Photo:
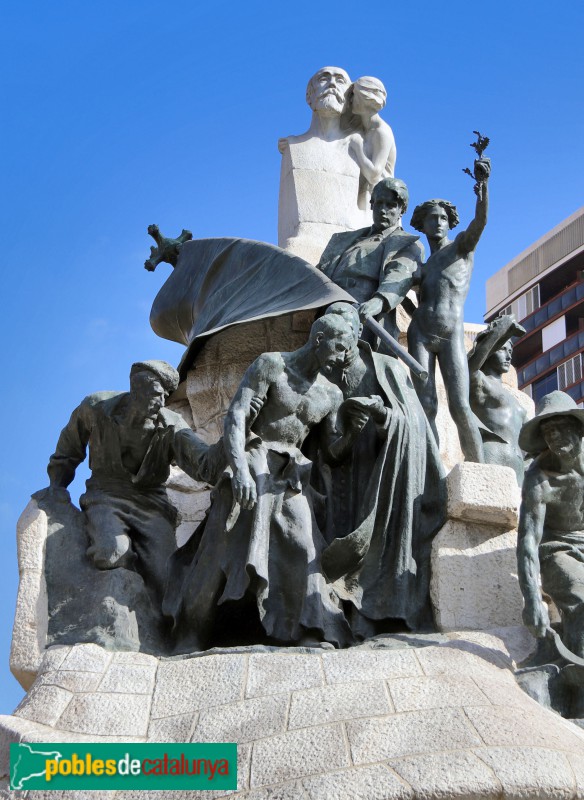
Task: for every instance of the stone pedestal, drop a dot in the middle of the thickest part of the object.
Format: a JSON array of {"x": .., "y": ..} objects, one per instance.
[
  {"x": 29, "y": 633},
  {"x": 474, "y": 582},
  {"x": 64, "y": 599},
  {"x": 319, "y": 186},
  {"x": 407, "y": 717}
]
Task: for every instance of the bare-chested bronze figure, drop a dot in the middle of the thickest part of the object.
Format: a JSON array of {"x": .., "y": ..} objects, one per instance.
[
  {"x": 437, "y": 328},
  {"x": 499, "y": 412},
  {"x": 551, "y": 524},
  {"x": 260, "y": 547}
]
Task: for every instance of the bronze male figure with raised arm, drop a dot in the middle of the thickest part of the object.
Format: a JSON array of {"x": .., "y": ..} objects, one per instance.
[{"x": 436, "y": 332}]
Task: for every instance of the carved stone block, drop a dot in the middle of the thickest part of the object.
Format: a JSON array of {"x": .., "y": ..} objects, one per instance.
[
  {"x": 483, "y": 493},
  {"x": 474, "y": 582}
]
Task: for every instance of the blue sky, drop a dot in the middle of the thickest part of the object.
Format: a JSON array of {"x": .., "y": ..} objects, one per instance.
[{"x": 116, "y": 115}]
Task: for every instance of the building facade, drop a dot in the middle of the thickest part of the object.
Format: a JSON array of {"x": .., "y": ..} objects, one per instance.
[{"x": 544, "y": 287}]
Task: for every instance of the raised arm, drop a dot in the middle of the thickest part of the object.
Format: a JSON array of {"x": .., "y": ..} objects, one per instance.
[
  {"x": 468, "y": 239},
  {"x": 255, "y": 384},
  {"x": 530, "y": 532},
  {"x": 329, "y": 253}
]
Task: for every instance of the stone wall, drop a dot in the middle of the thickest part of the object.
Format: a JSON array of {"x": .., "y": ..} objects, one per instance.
[{"x": 406, "y": 717}]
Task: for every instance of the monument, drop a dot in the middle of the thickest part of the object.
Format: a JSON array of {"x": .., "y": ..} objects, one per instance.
[{"x": 344, "y": 610}]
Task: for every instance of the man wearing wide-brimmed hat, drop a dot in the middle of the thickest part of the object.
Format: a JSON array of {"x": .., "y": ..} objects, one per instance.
[{"x": 551, "y": 524}]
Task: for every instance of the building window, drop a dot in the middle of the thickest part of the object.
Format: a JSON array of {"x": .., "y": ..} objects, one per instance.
[
  {"x": 553, "y": 334},
  {"x": 528, "y": 390},
  {"x": 531, "y": 301},
  {"x": 525, "y": 304},
  {"x": 544, "y": 386},
  {"x": 570, "y": 372}
]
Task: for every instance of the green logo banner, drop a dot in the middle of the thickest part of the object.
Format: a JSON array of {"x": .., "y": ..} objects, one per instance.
[{"x": 122, "y": 766}]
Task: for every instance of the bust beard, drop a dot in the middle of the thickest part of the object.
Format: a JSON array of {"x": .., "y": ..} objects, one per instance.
[{"x": 328, "y": 106}]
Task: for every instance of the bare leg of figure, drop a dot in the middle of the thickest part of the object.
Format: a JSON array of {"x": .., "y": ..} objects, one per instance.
[
  {"x": 454, "y": 368},
  {"x": 426, "y": 391}
]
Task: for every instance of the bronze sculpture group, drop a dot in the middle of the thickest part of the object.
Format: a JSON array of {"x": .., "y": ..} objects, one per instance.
[{"x": 327, "y": 483}]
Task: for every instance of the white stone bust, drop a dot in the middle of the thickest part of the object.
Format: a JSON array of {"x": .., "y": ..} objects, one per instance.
[
  {"x": 325, "y": 94},
  {"x": 372, "y": 140},
  {"x": 319, "y": 181},
  {"x": 328, "y": 171}
]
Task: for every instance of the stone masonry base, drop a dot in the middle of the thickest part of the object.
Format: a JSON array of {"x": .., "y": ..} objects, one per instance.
[{"x": 406, "y": 716}]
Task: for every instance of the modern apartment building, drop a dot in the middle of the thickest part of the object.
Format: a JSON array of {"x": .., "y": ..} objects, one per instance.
[{"x": 544, "y": 287}]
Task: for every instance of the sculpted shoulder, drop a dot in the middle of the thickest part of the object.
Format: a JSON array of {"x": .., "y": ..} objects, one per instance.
[
  {"x": 407, "y": 248},
  {"x": 334, "y": 391},
  {"x": 99, "y": 397},
  {"x": 449, "y": 253},
  {"x": 97, "y": 406},
  {"x": 339, "y": 242},
  {"x": 400, "y": 240},
  {"x": 101, "y": 402},
  {"x": 459, "y": 244},
  {"x": 269, "y": 365},
  {"x": 286, "y": 141},
  {"x": 418, "y": 249},
  {"x": 536, "y": 485}
]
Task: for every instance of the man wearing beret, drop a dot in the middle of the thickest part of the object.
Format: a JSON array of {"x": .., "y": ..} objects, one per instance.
[
  {"x": 551, "y": 523},
  {"x": 132, "y": 441}
]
